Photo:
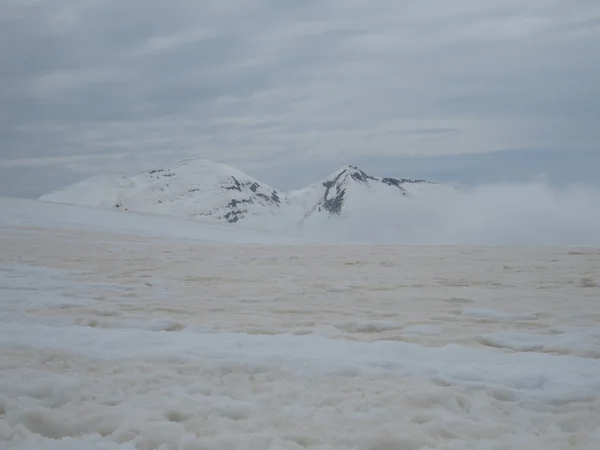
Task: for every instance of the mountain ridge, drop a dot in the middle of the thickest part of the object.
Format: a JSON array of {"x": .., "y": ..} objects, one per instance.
[
  {"x": 350, "y": 173},
  {"x": 195, "y": 188}
]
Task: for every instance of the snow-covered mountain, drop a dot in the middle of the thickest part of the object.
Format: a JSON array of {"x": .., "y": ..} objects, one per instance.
[
  {"x": 192, "y": 188},
  {"x": 349, "y": 189},
  {"x": 199, "y": 188}
]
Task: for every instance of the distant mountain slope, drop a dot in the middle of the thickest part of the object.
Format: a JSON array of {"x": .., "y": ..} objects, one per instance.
[
  {"x": 189, "y": 188},
  {"x": 201, "y": 188},
  {"x": 347, "y": 188}
]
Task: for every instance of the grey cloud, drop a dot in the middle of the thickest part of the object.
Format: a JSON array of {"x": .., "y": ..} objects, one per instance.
[
  {"x": 252, "y": 83},
  {"x": 427, "y": 131}
]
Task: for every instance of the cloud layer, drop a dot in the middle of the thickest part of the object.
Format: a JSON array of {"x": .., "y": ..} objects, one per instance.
[
  {"x": 504, "y": 214},
  {"x": 106, "y": 85}
]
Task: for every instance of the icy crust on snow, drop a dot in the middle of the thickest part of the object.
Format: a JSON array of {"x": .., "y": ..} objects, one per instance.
[
  {"x": 129, "y": 340},
  {"x": 581, "y": 342},
  {"x": 516, "y": 377},
  {"x": 65, "y": 384}
]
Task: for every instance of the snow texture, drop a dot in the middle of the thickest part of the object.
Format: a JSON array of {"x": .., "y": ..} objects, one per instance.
[{"x": 126, "y": 331}]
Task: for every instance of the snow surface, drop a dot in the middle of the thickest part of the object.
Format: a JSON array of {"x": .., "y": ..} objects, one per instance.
[
  {"x": 124, "y": 331},
  {"x": 35, "y": 214}
]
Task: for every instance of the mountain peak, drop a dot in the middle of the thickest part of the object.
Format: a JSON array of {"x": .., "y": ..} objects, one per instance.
[
  {"x": 347, "y": 173},
  {"x": 197, "y": 188},
  {"x": 337, "y": 184}
]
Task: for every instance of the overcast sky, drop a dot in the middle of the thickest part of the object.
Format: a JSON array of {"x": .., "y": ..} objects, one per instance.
[{"x": 462, "y": 90}]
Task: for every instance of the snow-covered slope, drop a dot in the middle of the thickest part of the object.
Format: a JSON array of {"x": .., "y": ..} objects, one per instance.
[
  {"x": 200, "y": 188},
  {"x": 34, "y": 214},
  {"x": 350, "y": 190},
  {"x": 192, "y": 188}
]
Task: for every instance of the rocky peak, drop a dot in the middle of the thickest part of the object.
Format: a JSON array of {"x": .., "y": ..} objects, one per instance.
[
  {"x": 345, "y": 174},
  {"x": 336, "y": 186}
]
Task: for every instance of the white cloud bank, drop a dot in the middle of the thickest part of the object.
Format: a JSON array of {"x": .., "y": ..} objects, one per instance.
[{"x": 496, "y": 214}]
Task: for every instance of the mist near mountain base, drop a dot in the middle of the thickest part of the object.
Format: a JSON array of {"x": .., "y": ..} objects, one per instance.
[
  {"x": 352, "y": 206},
  {"x": 497, "y": 214}
]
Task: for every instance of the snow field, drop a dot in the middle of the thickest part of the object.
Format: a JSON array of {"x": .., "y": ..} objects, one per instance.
[{"x": 123, "y": 340}]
